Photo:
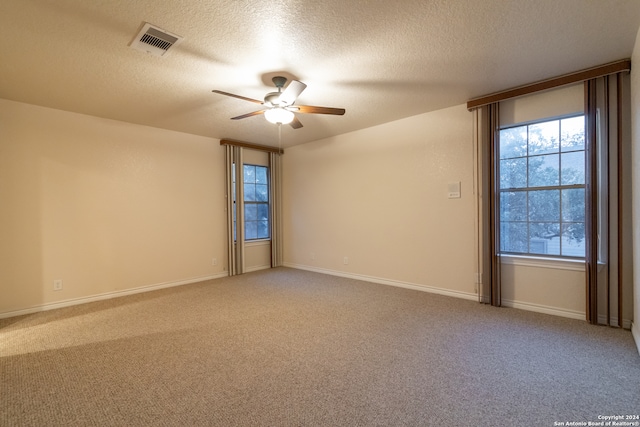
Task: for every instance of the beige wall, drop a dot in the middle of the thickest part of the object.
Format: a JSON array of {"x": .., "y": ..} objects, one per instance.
[
  {"x": 111, "y": 207},
  {"x": 106, "y": 206},
  {"x": 555, "y": 288},
  {"x": 635, "y": 142},
  {"x": 379, "y": 197}
]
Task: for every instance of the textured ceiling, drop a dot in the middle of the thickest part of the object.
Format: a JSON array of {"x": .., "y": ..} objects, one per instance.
[{"x": 380, "y": 60}]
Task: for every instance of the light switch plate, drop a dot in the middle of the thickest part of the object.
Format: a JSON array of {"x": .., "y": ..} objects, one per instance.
[{"x": 454, "y": 190}]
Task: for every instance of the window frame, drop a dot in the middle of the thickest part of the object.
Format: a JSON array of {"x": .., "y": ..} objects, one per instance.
[
  {"x": 246, "y": 202},
  {"x": 527, "y": 190}
]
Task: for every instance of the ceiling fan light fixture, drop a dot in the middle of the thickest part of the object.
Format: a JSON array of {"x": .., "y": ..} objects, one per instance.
[{"x": 279, "y": 115}]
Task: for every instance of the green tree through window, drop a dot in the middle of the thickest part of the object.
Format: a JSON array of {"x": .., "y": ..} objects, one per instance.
[
  {"x": 256, "y": 202},
  {"x": 255, "y": 183},
  {"x": 542, "y": 188}
]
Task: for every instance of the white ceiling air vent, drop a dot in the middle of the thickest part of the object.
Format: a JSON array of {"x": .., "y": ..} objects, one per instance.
[{"x": 154, "y": 40}]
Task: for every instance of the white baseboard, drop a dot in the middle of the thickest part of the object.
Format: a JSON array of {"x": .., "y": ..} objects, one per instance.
[
  {"x": 257, "y": 268},
  {"x": 418, "y": 287},
  {"x": 538, "y": 308},
  {"x": 635, "y": 332},
  {"x": 457, "y": 294},
  {"x": 107, "y": 295}
]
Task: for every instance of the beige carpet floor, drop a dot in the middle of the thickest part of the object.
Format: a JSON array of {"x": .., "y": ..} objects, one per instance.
[{"x": 285, "y": 347}]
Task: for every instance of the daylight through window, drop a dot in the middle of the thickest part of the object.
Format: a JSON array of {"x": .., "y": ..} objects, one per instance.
[
  {"x": 256, "y": 202},
  {"x": 542, "y": 188}
]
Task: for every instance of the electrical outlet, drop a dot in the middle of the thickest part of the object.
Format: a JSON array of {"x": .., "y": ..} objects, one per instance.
[
  {"x": 57, "y": 285},
  {"x": 345, "y": 261},
  {"x": 214, "y": 261}
]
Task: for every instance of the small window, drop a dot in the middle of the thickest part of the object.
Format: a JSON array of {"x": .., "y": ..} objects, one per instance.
[
  {"x": 255, "y": 183},
  {"x": 542, "y": 188}
]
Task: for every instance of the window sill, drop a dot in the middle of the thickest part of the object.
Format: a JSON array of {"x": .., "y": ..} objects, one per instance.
[{"x": 541, "y": 262}]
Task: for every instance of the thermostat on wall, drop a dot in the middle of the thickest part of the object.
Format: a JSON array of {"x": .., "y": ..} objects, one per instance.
[{"x": 454, "y": 190}]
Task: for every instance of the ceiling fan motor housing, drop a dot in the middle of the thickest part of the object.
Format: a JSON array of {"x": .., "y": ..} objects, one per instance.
[
  {"x": 272, "y": 98},
  {"x": 279, "y": 81}
]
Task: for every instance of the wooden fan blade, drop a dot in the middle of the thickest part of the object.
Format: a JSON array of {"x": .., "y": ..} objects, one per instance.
[
  {"x": 237, "y": 96},
  {"x": 292, "y": 92},
  {"x": 310, "y": 109},
  {"x": 295, "y": 123},
  {"x": 244, "y": 116}
]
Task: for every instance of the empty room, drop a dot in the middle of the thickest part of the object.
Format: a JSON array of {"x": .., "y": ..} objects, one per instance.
[{"x": 288, "y": 213}]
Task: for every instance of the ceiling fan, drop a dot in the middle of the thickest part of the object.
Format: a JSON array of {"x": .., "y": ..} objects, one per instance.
[{"x": 279, "y": 106}]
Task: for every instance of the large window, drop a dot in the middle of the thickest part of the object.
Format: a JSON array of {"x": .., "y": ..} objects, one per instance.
[
  {"x": 542, "y": 188},
  {"x": 256, "y": 202}
]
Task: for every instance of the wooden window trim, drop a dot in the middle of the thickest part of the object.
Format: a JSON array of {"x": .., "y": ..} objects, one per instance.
[
  {"x": 567, "y": 79},
  {"x": 251, "y": 146}
]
